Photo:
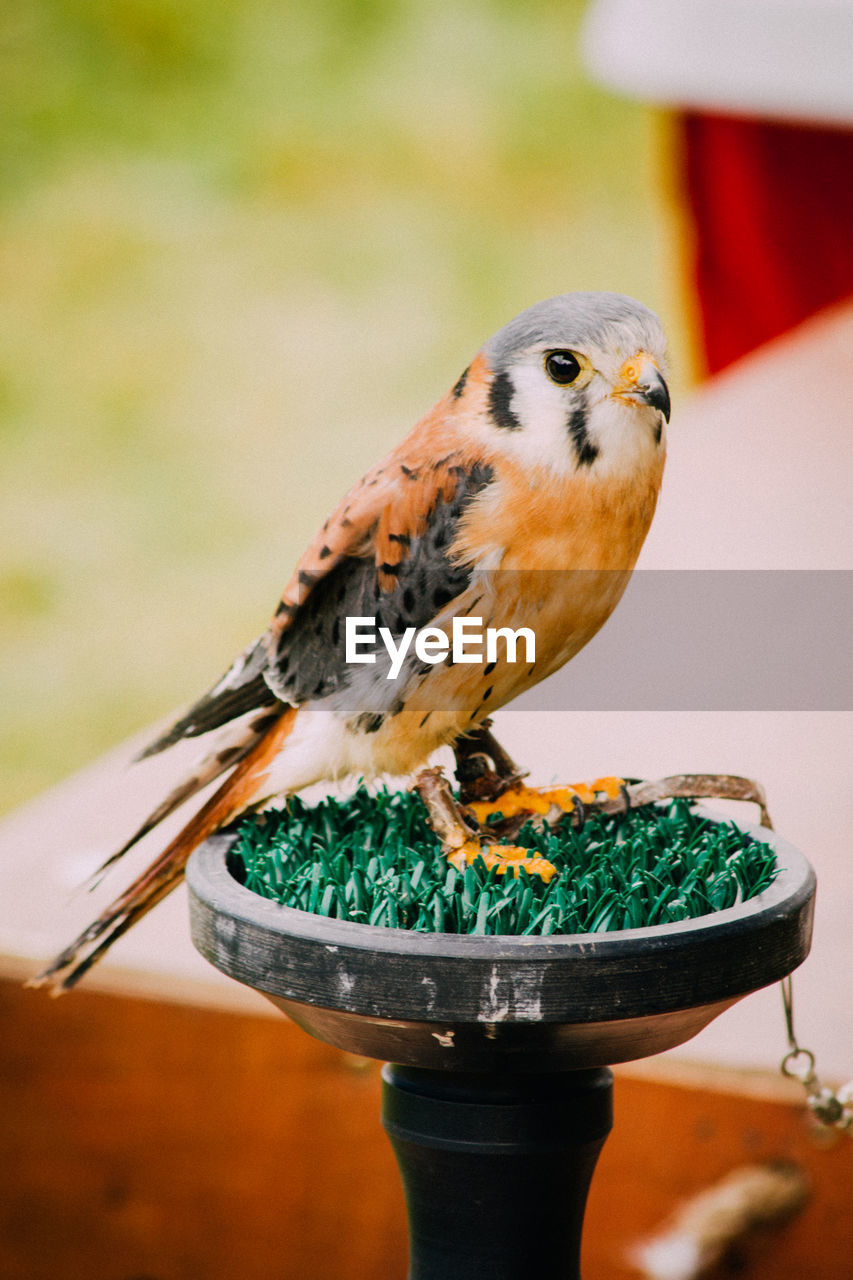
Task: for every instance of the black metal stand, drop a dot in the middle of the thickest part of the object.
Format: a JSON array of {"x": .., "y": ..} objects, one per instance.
[
  {"x": 505, "y": 1102},
  {"x": 496, "y": 1168}
]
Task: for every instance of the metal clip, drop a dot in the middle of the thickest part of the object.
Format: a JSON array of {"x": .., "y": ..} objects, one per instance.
[{"x": 832, "y": 1109}]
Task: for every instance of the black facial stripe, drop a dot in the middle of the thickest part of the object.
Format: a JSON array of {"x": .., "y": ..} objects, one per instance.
[
  {"x": 585, "y": 451},
  {"x": 500, "y": 396}
]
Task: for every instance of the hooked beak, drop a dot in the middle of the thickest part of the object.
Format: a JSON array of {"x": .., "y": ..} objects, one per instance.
[{"x": 641, "y": 381}]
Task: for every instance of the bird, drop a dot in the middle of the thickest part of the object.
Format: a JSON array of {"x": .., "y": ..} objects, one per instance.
[{"x": 520, "y": 501}]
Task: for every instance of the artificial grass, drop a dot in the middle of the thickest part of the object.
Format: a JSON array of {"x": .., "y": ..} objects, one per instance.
[{"x": 373, "y": 859}]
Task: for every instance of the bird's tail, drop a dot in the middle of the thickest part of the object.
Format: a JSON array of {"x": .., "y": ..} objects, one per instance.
[{"x": 235, "y": 796}]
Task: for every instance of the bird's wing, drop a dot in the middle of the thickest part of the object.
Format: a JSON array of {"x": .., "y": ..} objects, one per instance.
[
  {"x": 384, "y": 553},
  {"x": 398, "y": 568},
  {"x": 242, "y": 689}
]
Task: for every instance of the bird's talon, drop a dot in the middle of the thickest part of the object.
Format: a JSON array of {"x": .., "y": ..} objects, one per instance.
[
  {"x": 471, "y": 767},
  {"x": 486, "y": 787},
  {"x": 484, "y": 771}
]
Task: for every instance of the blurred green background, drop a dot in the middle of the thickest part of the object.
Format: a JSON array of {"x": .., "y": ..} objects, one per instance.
[{"x": 243, "y": 247}]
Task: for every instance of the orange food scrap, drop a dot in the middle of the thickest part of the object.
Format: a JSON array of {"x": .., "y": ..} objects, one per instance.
[
  {"x": 610, "y": 786},
  {"x": 504, "y": 857},
  {"x": 521, "y": 799}
]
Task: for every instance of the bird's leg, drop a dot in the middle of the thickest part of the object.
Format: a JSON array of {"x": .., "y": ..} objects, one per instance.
[
  {"x": 484, "y": 770},
  {"x": 461, "y": 841},
  {"x": 445, "y": 817},
  {"x": 491, "y": 782}
]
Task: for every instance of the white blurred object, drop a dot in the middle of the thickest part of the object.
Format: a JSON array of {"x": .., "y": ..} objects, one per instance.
[
  {"x": 706, "y": 1228},
  {"x": 783, "y": 59}
]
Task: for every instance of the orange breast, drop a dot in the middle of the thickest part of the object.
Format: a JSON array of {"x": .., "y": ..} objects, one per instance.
[
  {"x": 565, "y": 551},
  {"x": 543, "y": 521}
]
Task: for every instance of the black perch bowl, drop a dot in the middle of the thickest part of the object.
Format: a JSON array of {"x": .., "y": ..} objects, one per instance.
[{"x": 506, "y": 1003}]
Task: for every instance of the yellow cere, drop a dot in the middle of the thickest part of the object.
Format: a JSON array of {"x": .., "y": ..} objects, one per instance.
[{"x": 504, "y": 857}]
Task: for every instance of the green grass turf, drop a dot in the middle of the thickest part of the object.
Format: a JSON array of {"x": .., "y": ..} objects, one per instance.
[{"x": 373, "y": 859}]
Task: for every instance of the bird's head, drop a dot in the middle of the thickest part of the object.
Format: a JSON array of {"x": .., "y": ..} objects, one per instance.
[{"x": 577, "y": 383}]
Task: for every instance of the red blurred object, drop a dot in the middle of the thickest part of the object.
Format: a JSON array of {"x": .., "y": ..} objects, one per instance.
[{"x": 772, "y": 205}]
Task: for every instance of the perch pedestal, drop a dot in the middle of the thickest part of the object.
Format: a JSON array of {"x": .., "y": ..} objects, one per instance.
[{"x": 499, "y": 1098}]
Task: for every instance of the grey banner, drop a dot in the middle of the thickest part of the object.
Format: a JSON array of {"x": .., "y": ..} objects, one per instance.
[
  {"x": 748, "y": 640},
  {"x": 676, "y": 641}
]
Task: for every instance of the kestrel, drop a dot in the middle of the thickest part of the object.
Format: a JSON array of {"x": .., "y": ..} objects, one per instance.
[{"x": 520, "y": 501}]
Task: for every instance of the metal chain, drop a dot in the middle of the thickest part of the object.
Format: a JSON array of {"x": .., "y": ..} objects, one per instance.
[{"x": 832, "y": 1109}]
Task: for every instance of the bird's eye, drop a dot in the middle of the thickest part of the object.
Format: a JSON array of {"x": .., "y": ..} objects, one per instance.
[{"x": 562, "y": 367}]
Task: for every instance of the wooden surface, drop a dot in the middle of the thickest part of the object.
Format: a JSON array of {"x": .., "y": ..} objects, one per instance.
[
  {"x": 173, "y": 1143},
  {"x": 150, "y": 1141}
]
